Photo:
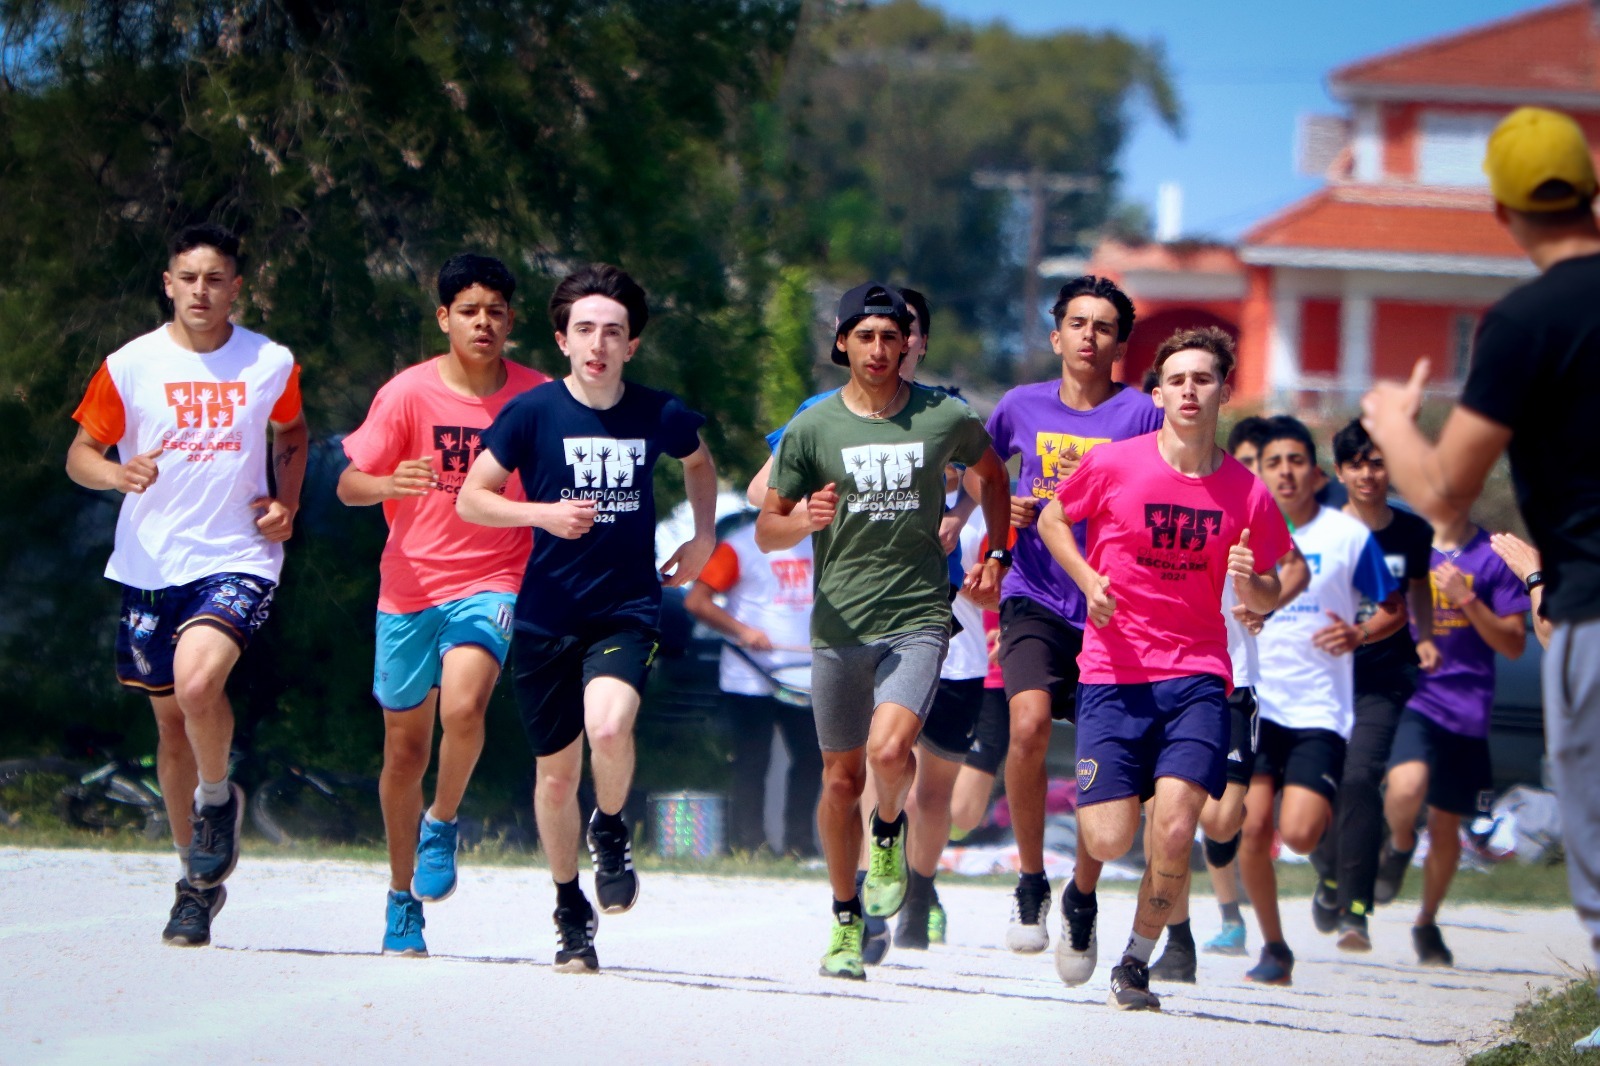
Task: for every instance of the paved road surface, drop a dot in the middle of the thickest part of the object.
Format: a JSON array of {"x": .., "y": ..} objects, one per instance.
[{"x": 704, "y": 969}]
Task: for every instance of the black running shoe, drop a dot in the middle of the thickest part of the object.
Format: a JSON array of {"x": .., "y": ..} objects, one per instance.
[
  {"x": 215, "y": 850},
  {"x": 1325, "y": 907},
  {"x": 1391, "y": 872},
  {"x": 1429, "y": 943},
  {"x": 616, "y": 886},
  {"x": 912, "y": 930},
  {"x": 1177, "y": 963},
  {"x": 190, "y": 924},
  {"x": 1130, "y": 986},
  {"x": 575, "y": 929},
  {"x": 1353, "y": 935}
]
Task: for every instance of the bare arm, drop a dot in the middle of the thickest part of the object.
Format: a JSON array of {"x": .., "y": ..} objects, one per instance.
[
  {"x": 1387, "y": 620},
  {"x": 1419, "y": 601},
  {"x": 1523, "y": 559},
  {"x": 290, "y": 441},
  {"x": 1294, "y": 577},
  {"x": 783, "y": 522},
  {"x": 1506, "y": 634},
  {"x": 1056, "y": 533},
  {"x": 701, "y": 604},
  {"x": 983, "y": 583},
  {"x": 412, "y": 477},
  {"x": 700, "y": 485},
  {"x": 480, "y": 502},
  {"x": 756, "y": 492},
  {"x": 1258, "y": 592},
  {"x": 1441, "y": 481},
  {"x": 89, "y": 466}
]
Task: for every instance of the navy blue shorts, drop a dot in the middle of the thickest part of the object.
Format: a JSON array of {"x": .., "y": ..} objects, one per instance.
[
  {"x": 147, "y": 634},
  {"x": 1130, "y": 735},
  {"x": 1460, "y": 771}
]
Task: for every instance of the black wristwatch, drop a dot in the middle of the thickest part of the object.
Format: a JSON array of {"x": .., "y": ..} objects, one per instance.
[
  {"x": 1535, "y": 579},
  {"x": 1001, "y": 556}
]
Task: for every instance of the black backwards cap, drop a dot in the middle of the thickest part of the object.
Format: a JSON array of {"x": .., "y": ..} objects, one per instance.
[{"x": 865, "y": 301}]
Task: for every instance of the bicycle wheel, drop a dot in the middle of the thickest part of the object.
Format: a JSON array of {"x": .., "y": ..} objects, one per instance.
[
  {"x": 31, "y": 790},
  {"x": 305, "y": 805},
  {"x": 114, "y": 803}
]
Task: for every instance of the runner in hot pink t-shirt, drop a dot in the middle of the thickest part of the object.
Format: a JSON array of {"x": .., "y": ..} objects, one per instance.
[
  {"x": 1170, "y": 516},
  {"x": 1163, "y": 537},
  {"x": 448, "y": 586}
]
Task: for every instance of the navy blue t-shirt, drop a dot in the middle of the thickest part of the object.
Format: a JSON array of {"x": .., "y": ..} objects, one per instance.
[{"x": 565, "y": 450}]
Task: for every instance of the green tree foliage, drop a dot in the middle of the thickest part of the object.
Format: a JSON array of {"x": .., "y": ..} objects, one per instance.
[
  {"x": 355, "y": 145},
  {"x": 895, "y": 108}
]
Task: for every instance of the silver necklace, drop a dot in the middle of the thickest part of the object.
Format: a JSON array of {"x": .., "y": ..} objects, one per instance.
[{"x": 879, "y": 412}]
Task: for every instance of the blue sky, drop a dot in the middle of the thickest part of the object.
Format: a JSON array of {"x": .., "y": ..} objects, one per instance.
[{"x": 1244, "y": 71}]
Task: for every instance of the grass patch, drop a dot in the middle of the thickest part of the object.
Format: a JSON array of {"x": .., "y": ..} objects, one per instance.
[{"x": 1543, "y": 1029}]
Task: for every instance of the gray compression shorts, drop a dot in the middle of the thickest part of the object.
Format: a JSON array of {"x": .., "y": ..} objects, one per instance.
[{"x": 849, "y": 683}]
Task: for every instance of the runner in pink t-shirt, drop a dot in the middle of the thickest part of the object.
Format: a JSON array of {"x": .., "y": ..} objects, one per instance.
[
  {"x": 1170, "y": 516},
  {"x": 448, "y": 586}
]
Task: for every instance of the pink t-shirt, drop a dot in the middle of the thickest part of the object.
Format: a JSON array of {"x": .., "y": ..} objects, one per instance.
[
  {"x": 432, "y": 555},
  {"x": 1163, "y": 539}
]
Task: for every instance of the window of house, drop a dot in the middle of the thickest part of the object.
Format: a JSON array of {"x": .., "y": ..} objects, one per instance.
[
  {"x": 1452, "y": 147},
  {"x": 1463, "y": 328}
]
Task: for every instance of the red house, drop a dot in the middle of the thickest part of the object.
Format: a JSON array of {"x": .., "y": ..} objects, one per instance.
[{"x": 1399, "y": 254}]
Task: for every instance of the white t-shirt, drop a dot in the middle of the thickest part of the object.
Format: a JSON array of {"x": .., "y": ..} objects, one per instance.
[
  {"x": 1241, "y": 643},
  {"x": 968, "y": 656},
  {"x": 209, "y": 412},
  {"x": 1302, "y": 686},
  {"x": 771, "y": 592}
]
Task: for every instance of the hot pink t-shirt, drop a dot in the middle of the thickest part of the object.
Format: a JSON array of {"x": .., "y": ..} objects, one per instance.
[
  {"x": 432, "y": 555},
  {"x": 1163, "y": 539}
]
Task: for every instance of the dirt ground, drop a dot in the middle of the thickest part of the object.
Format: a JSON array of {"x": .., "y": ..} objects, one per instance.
[{"x": 704, "y": 969}]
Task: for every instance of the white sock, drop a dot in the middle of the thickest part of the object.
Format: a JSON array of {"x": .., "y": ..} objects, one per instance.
[
  {"x": 183, "y": 857},
  {"x": 1140, "y": 947},
  {"x": 211, "y": 793},
  {"x": 428, "y": 814}
]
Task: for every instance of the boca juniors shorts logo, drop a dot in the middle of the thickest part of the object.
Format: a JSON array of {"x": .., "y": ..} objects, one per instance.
[{"x": 1087, "y": 769}]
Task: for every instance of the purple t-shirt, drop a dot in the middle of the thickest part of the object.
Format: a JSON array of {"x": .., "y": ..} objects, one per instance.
[
  {"x": 1032, "y": 420},
  {"x": 1459, "y": 694}
]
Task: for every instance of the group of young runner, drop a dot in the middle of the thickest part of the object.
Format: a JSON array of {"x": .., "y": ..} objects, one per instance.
[{"x": 1234, "y": 653}]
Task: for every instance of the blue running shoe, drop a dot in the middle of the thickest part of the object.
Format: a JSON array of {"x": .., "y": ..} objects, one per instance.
[
  {"x": 1275, "y": 968},
  {"x": 404, "y": 933},
  {"x": 435, "y": 876},
  {"x": 1588, "y": 1043},
  {"x": 1231, "y": 941},
  {"x": 875, "y": 941}
]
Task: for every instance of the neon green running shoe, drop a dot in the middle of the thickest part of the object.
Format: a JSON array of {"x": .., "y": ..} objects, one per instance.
[
  {"x": 885, "y": 887},
  {"x": 936, "y": 923},
  {"x": 844, "y": 949}
]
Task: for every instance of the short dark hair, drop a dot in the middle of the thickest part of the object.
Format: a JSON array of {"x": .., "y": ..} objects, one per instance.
[
  {"x": 1351, "y": 444},
  {"x": 1105, "y": 289},
  {"x": 1286, "y": 427},
  {"x": 919, "y": 306},
  {"x": 205, "y": 235},
  {"x": 1202, "y": 339},
  {"x": 1250, "y": 429},
  {"x": 600, "y": 279},
  {"x": 467, "y": 269}
]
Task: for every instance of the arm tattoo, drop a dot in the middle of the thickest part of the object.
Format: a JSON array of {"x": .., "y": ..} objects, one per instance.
[{"x": 283, "y": 457}]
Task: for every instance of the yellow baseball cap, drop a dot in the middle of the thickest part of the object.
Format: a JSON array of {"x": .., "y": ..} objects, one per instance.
[{"x": 1532, "y": 146}]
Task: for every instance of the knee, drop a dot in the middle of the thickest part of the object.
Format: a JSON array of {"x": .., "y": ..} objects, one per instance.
[
  {"x": 609, "y": 739},
  {"x": 1173, "y": 842},
  {"x": 198, "y": 693},
  {"x": 843, "y": 785},
  {"x": 1255, "y": 837},
  {"x": 1220, "y": 854},
  {"x": 1105, "y": 840},
  {"x": 461, "y": 717},
  {"x": 556, "y": 782},
  {"x": 1030, "y": 735},
  {"x": 406, "y": 755},
  {"x": 1303, "y": 834},
  {"x": 170, "y": 729},
  {"x": 888, "y": 755}
]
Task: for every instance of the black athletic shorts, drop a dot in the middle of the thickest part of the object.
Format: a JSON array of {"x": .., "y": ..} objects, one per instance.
[
  {"x": 550, "y": 674},
  {"x": 1460, "y": 775},
  {"x": 991, "y": 737},
  {"x": 1310, "y": 758},
  {"x": 1039, "y": 651},
  {"x": 947, "y": 731},
  {"x": 1243, "y": 735}
]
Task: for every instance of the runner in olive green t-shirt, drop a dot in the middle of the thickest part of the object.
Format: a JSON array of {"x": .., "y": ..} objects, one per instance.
[{"x": 871, "y": 458}]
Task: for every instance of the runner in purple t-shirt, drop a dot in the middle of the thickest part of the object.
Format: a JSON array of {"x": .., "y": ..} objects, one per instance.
[
  {"x": 1052, "y": 425},
  {"x": 1441, "y": 747}
]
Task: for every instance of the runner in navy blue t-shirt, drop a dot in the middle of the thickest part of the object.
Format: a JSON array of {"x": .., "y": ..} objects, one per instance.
[{"x": 587, "y": 617}]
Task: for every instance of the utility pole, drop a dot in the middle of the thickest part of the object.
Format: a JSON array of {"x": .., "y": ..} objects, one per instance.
[{"x": 1041, "y": 187}]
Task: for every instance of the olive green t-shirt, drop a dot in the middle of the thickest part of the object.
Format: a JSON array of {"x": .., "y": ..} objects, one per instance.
[{"x": 879, "y": 567}]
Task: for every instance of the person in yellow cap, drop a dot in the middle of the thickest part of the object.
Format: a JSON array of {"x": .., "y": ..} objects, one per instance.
[{"x": 1535, "y": 371}]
